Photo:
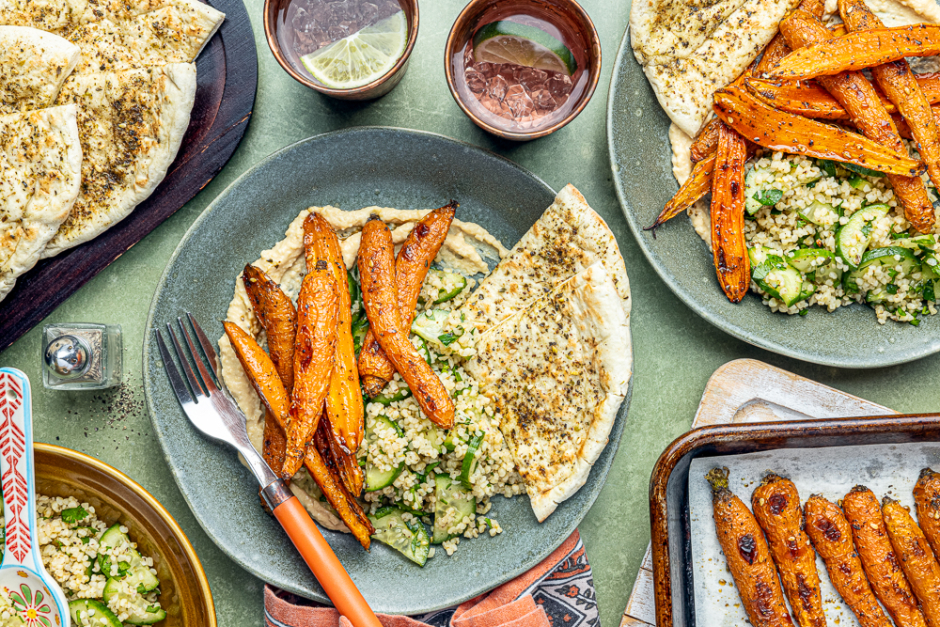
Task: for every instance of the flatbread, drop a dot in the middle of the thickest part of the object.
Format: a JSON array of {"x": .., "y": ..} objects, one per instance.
[
  {"x": 33, "y": 66},
  {"x": 63, "y": 16},
  {"x": 568, "y": 238},
  {"x": 558, "y": 372},
  {"x": 131, "y": 126},
  {"x": 690, "y": 48},
  {"x": 175, "y": 33},
  {"x": 40, "y": 157}
]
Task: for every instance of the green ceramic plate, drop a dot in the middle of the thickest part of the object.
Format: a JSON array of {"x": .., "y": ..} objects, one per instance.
[
  {"x": 640, "y": 156},
  {"x": 348, "y": 169}
]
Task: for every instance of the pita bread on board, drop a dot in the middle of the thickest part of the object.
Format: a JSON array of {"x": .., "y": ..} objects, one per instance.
[
  {"x": 558, "y": 372},
  {"x": 63, "y": 16},
  {"x": 33, "y": 66},
  {"x": 131, "y": 125},
  {"x": 569, "y": 237},
  {"x": 690, "y": 48},
  {"x": 40, "y": 157}
]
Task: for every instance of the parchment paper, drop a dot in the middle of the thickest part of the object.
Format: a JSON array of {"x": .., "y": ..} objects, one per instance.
[{"x": 889, "y": 470}]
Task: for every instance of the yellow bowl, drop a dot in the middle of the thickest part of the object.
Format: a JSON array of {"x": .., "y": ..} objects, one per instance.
[{"x": 185, "y": 593}]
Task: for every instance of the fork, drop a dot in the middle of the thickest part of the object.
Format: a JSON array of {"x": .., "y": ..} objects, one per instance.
[{"x": 211, "y": 411}]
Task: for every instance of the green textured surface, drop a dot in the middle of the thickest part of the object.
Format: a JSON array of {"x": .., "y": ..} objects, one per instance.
[{"x": 675, "y": 350}]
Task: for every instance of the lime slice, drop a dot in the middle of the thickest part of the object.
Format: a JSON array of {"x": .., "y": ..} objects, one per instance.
[
  {"x": 361, "y": 58},
  {"x": 509, "y": 42}
]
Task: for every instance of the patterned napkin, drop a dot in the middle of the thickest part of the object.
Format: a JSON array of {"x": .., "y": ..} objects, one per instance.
[{"x": 558, "y": 592}]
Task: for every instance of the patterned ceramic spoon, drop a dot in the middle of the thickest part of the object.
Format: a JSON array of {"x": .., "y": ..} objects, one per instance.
[{"x": 35, "y": 595}]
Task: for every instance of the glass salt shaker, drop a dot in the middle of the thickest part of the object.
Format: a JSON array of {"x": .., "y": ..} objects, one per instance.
[{"x": 81, "y": 356}]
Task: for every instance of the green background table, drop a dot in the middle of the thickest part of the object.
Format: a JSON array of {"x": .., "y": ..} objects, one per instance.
[{"x": 675, "y": 350}]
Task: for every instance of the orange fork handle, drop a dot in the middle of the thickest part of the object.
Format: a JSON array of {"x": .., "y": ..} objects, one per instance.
[{"x": 325, "y": 565}]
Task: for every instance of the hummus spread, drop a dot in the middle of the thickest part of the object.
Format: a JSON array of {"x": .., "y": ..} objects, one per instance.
[
  {"x": 891, "y": 12},
  {"x": 468, "y": 249}
]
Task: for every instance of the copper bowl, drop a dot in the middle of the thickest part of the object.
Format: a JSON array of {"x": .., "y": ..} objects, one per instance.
[
  {"x": 185, "y": 593},
  {"x": 481, "y": 12},
  {"x": 274, "y": 9}
]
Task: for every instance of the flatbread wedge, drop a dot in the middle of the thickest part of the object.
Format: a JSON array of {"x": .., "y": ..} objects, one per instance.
[
  {"x": 40, "y": 157},
  {"x": 175, "y": 33},
  {"x": 558, "y": 372},
  {"x": 569, "y": 237},
  {"x": 33, "y": 66},
  {"x": 131, "y": 126},
  {"x": 63, "y": 16}
]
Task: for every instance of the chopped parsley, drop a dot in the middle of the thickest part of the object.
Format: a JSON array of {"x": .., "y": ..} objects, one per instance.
[
  {"x": 74, "y": 514},
  {"x": 768, "y": 197}
]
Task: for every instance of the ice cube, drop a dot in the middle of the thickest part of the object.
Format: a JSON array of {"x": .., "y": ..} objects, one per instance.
[
  {"x": 519, "y": 101},
  {"x": 507, "y": 71},
  {"x": 492, "y": 104},
  {"x": 368, "y": 12},
  {"x": 559, "y": 85},
  {"x": 531, "y": 78},
  {"x": 475, "y": 80},
  {"x": 543, "y": 100},
  {"x": 497, "y": 87},
  {"x": 486, "y": 70},
  {"x": 337, "y": 32}
]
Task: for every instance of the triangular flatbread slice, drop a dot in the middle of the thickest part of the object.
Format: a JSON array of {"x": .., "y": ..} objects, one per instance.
[
  {"x": 558, "y": 372},
  {"x": 569, "y": 237},
  {"x": 175, "y": 33},
  {"x": 33, "y": 66},
  {"x": 131, "y": 125},
  {"x": 40, "y": 157},
  {"x": 63, "y": 16}
]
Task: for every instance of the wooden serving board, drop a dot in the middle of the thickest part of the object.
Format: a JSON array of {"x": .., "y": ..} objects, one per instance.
[
  {"x": 227, "y": 78},
  {"x": 746, "y": 390}
]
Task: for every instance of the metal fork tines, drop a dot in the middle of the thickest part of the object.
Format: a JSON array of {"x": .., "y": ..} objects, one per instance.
[{"x": 208, "y": 408}]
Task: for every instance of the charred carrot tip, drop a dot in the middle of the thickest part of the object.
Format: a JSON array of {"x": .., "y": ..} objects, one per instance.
[
  {"x": 718, "y": 479},
  {"x": 859, "y": 488},
  {"x": 926, "y": 472},
  {"x": 887, "y": 501},
  {"x": 771, "y": 477}
]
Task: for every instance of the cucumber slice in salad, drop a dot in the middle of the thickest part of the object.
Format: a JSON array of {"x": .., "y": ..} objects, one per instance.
[
  {"x": 897, "y": 259},
  {"x": 782, "y": 281},
  {"x": 111, "y": 538},
  {"x": 408, "y": 537},
  {"x": 92, "y": 613},
  {"x": 917, "y": 243},
  {"x": 449, "y": 493},
  {"x": 820, "y": 213},
  {"x": 388, "y": 399},
  {"x": 376, "y": 479},
  {"x": 454, "y": 282},
  {"x": 471, "y": 461},
  {"x": 853, "y": 239},
  {"x": 140, "y": 612}
]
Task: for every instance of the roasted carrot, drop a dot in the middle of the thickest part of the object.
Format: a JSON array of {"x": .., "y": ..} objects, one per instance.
[
  {"x": 859, "y": 50},
  {"x": 927, "y": 500},
  {"x": 859, "y": 98},
  {"x": 786, "y": 132},
  {"x": 277, "y": 316},
  {"x": 917, "y": 560},
  {"x": 727, "y": 216},
  {"x": 773, "y": 53},
  {"x": 376, "y": 262},
  {"x": 776, "y": 505},
  {"x": 879, "y": 559},
  {"x": 411, "y": 267},
  {"x": 905, "y": 130},
  {"x": 901, "y": 87},
  {"x": 314, "y": 356},
  {"x": 706, "y": 142},
  {"x": 344, "y": 399},
  {"x": 344, "y": 461},
  {"x": 263, "y": 377},
  {"x": 748, "y": 556},
  {"x": 696, "y": 186},
  {"x": 832, "y": 537}
]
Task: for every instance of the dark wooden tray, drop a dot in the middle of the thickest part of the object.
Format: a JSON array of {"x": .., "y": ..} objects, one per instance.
[
  {"x": 669, "y": 498},
  {"x": 227, "y": 78}
]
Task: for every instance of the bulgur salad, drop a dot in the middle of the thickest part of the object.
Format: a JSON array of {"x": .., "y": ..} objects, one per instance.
[
  {"x": 107, "y": 582},
  {"x": 830, "y": 234}
]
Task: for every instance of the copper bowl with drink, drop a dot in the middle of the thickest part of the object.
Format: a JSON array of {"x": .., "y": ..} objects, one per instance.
[
  {"x": 522, "y": 69},
  {"x": 351, "y": 50}
]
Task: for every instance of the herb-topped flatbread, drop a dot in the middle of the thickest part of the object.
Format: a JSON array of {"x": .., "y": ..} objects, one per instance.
[
  {"x": 33, "y": 66},
  {"x": 40, "y": 157},
  {"x": 131, "y": 126}
]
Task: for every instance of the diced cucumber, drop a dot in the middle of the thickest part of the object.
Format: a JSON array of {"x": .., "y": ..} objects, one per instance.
[
  {"x": 471, "y": 460},
  {"x": 751, "y": 204},
  {"x": 448, "y": 494},
  {"x": 857, "y": 181},
  {"x": 410, "y": 538},
  {"x": 140, "y": 612},
  {"x": 820, "y": 213},
  {"x": 782, "y": 281},
  {"x": 450, "y": 442},
  {"x": 853, "y": 239},
  {"x": 892, "y": 257},
  {"x": 809, "y": 259},
  {"x": 355, "y": 296},
  {"x": 377, "y": 479},
  {"x": 111, "y": 538},
  {"x": 92, "y": 613},
  {"x": 430, "y": 324},
  {"x": 758, "y": 255},
  {"x": 359, "y": 329},
  {"x": 917, "y": 243},
  {"x": 456, "y": 282},
  {"x": 388, "y": 399},
  {"x": 142, "y": 579},
  {"x": 930, "y": 266}
]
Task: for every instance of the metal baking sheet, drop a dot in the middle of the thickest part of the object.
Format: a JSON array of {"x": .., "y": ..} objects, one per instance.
[{"x": 887, "y": 469}]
